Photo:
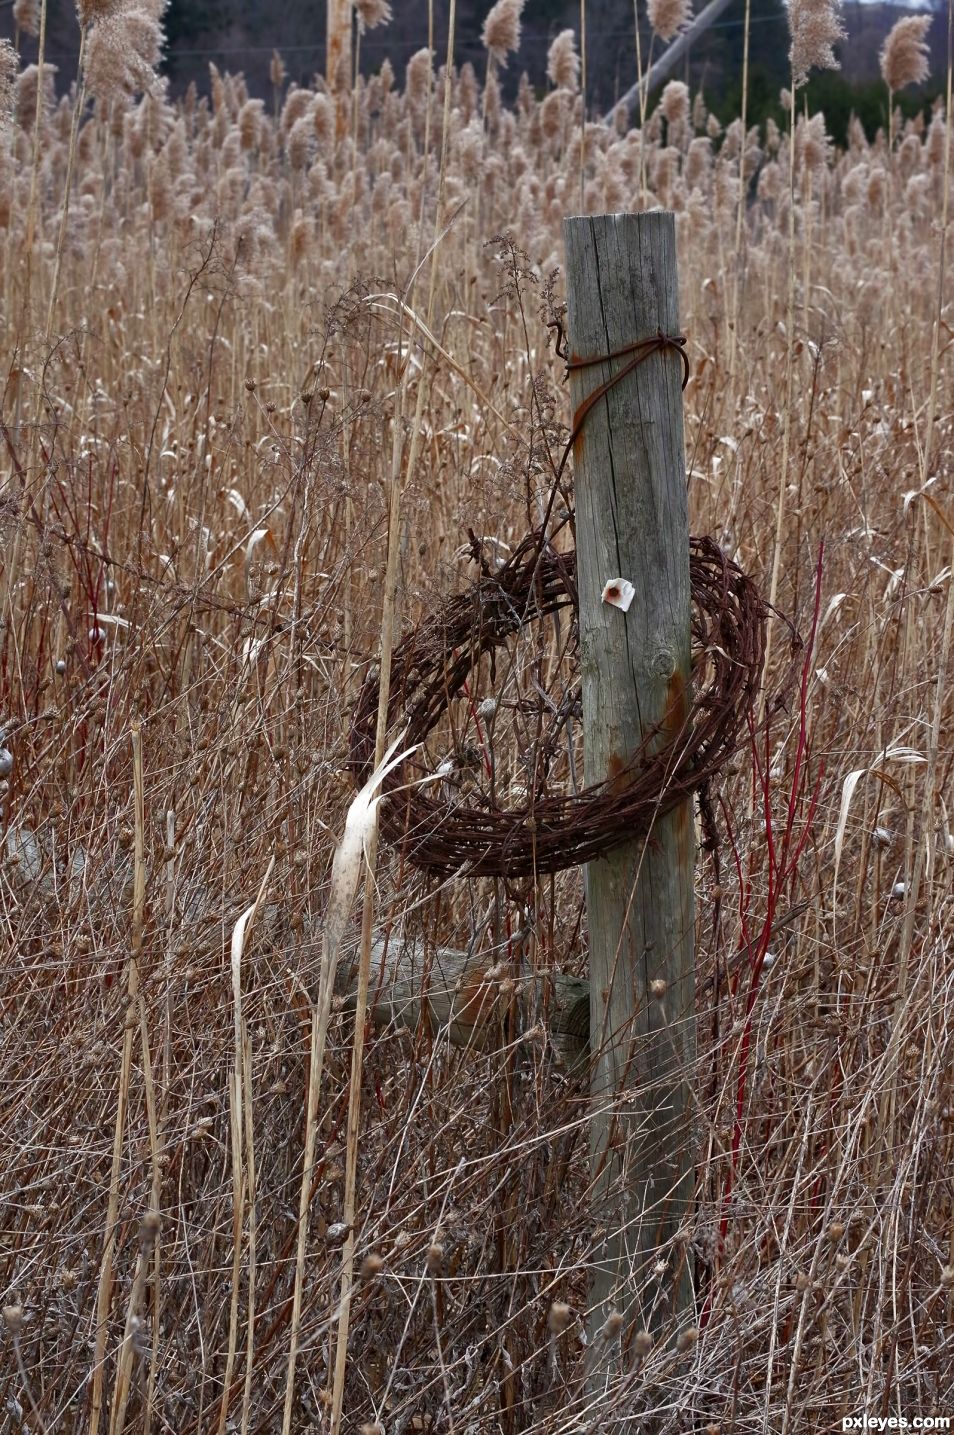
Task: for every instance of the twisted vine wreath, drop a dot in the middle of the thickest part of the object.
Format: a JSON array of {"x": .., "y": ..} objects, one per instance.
[{"x": 548, "y": 833}]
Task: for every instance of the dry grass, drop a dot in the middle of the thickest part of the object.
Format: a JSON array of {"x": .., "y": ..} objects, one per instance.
[{"x": 194, "y": 540}]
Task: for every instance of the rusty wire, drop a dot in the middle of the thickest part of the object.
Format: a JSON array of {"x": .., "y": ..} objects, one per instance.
[{"x": 549, "y": 833}]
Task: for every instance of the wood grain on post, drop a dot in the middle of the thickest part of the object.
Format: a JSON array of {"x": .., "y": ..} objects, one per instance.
[
  {"x": 458, "y": 996},
  {"x": 632, "y": 522}
]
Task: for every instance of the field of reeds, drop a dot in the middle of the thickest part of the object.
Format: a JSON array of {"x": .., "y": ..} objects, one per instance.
[{"x": 263, "y": 375}]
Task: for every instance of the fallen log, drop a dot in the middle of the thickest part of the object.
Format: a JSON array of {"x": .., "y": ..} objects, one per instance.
[{"x": 465, "y": 997}]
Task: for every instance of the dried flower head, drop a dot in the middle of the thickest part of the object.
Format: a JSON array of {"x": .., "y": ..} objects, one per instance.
[
  {"x": 937, "y": 135},
  {"x": 904, "y": 55},
  {"x": 88, "y": 11},
  {"x": 674, "y": 102},
  {"x": 501, "y": 32},
  {"x": 372, "y": 1265},
  {"x": 295, "y": 107},
  {"x": 417, "y": 81},
  {"x": 552, "y": 114},
  {"x": 812, "y": 144},
  {"x": 563, "y": 63},
  {"x": 250, "y": 120},
  {"x": 9, "y": 66},
  {"x": 372, "y": 13},
  {"x": 26, "y": 16},
  {"x": 124, "y": 47},
  {"x": 816, "y": 26},
  {"x": 25, "y": 96},
  {"x": 668, "y": 17},
  {"x": 698, "y": 161},
  {"x": 323, "y": 118},
  {"x": 298, "y": 143},
  {"x": 276, "y": 70}
]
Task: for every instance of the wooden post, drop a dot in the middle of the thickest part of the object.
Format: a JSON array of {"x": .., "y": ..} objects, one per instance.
[
  {"x": 663, "y": 67},
  {"x": 632, "y": 523},
  {"x": 338, "y": 64}
]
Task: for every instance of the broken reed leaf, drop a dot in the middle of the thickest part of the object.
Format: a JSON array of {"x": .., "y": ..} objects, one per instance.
[
  {"x": 360, "y": 827},
  {"x": 904, "y": 755}
]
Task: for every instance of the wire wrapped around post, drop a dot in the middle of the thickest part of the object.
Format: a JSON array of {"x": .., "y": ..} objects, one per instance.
[{"x": 549, "y": 833}]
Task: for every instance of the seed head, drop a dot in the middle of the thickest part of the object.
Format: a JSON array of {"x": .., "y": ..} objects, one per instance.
[
  {"x": 667, "y": 17},
  {"x": 674, "y": 102},
  {"x": 24, "y": 94},
  {"x": 904, "y": 54},
  {"x": 9, "y": 65},
  {"x": 149, "y": 1230},
  {"x": 89, "y": 10},
  {"x": 563, "y": 63},
  {"x": 559, "y": 1317},
  {"x": 816, "y": 26},
  {"x": 26, "y": 16},
  {"x": 372, "y": 13},
  {"x": 418, "y": 79},
  {"x": 501, "y": 32},
  {"x": 124, "y": 46}
]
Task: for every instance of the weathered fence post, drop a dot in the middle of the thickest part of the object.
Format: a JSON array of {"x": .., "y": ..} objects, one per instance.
[
  {"x": 632, "y": 523},
  {"x": 338, "y": 62}
]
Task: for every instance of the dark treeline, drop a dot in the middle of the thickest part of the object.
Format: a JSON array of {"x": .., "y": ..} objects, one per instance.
[{"x": 240, "y": 35}]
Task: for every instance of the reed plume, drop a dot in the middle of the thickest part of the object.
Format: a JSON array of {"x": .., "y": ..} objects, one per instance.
[
  {"x": 816, "y": 27},
  {"x": 668, "y": 17},
  {"x": 563, "y": 62},
  {"x": 501, "y": 32},
  {"x": 9, "y": 68},
  {"x": 904, "y": 55}
]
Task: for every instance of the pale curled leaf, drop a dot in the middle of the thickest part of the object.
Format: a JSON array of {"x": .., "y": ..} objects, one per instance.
[
  {"x": 893, "y": 754},
  {"x": 618, "y": 592},
  {"x": 360, "y": 825}
]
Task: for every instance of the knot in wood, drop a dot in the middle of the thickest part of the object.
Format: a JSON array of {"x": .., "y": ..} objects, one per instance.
[{"x": 662, "y": 664}]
